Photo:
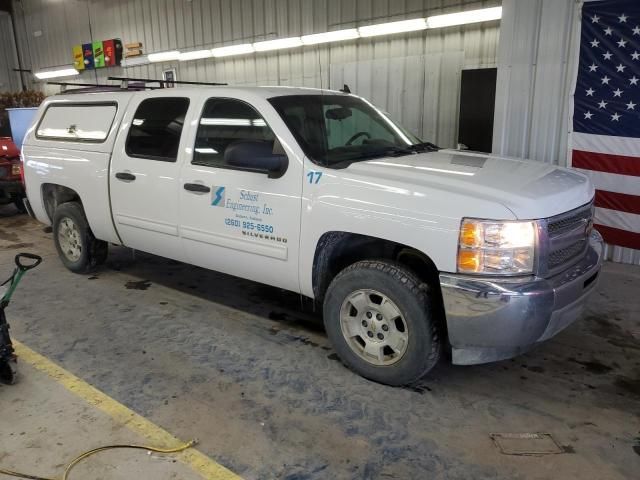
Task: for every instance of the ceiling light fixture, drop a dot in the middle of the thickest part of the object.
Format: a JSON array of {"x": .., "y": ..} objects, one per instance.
[
  {"x": 393, "y": 27},
  {"x": 463, "y": 18},
  {"x": 335, "y": 36},
  {"x": 277, "y": 44},
  {"x": 233, "y": 50},
  {"x": 58, "y": 72},
  {"x": 164, "y": 56},
  {"x": 195, "y": 55}
]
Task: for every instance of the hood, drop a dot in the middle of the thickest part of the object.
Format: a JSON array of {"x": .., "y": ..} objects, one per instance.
[{"x": 528, "y": 188}]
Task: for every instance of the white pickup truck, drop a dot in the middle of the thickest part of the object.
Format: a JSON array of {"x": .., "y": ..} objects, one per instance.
[{"x": 410, "y": 249}]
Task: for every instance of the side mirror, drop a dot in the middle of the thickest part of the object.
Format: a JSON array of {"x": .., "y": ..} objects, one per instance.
[{"x": 256, "y": 156}]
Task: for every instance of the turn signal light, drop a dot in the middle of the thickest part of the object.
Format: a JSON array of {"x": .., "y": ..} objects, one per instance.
[{"x": 469, "y": 261}]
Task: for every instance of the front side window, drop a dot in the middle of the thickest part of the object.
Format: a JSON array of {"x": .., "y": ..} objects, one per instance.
[
  {"x": 156, "y": 128},
  {"x": 336, "y": 130},
  {"x": 227, "y": 123}
]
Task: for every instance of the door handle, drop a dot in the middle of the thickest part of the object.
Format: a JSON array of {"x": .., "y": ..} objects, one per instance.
[
  {"x": 196, "y": 187},
  {"x": 125, "y": 176}
]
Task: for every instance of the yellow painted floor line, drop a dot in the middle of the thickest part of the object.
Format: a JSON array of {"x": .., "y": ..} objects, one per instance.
[{"x": 197, "y": 461}]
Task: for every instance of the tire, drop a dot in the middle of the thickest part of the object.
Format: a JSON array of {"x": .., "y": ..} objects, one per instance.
[
  {"x": 78, "y": 249},
  {"x": 402, "y": 309}
]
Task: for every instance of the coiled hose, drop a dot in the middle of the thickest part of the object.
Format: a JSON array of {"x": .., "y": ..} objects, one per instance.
[{"x": 89, "y": 453}]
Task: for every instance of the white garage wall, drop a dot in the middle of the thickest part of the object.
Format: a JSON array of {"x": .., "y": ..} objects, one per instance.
[
  {"x": 535, "y": 71},
  {"x": 9, "y": 80},
  {"x": 168, "y": 24}
]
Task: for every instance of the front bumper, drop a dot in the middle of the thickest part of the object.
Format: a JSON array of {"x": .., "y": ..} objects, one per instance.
[{"x": 490, "y": 319}]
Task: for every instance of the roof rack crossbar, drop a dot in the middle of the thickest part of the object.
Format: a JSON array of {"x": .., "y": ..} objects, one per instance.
[
  {"x": 93, "y": 87},
  {"x": 125, "y": 81}
]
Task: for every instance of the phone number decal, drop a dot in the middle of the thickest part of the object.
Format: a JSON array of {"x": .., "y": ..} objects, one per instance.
[{"x": 251, "y": 226}]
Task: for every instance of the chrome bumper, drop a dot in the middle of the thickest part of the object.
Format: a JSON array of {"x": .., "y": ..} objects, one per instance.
[{"x": 491, "y": 319}]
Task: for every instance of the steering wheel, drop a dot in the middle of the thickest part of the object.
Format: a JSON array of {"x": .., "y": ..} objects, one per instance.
[{"x": 357, "y": 136}]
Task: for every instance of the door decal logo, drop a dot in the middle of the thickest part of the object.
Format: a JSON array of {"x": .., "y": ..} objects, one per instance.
[{"x": 217, "y": 198}]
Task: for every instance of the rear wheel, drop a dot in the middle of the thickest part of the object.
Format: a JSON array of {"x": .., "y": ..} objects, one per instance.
[
  {"x": 380, "y": 320},
  {"x": 78, "y": 249}
]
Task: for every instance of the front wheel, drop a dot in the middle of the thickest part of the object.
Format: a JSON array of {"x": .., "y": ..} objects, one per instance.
[
  {"x": 380, "y": 320},
  {"x": 78, "y": 249}
]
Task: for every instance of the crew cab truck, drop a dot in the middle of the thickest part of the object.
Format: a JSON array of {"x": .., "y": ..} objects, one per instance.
[{"x": 410, "y": 249}]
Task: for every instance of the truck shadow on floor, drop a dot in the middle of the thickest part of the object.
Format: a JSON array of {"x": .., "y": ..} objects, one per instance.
[{"x": 297, "y": 319}]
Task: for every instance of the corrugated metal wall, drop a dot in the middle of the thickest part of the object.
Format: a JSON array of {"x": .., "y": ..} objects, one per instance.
[
  {"x": 167, "y": 24},
  {"x": 535, "y": 69},
  {"x": 9, "y": 80}
]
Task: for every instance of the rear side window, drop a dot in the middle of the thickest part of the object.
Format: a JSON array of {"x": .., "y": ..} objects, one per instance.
[
  {"x": 156, "y": 128},
  {"x": 83, "y": 122},
  {"x": 226, "y": 121}
]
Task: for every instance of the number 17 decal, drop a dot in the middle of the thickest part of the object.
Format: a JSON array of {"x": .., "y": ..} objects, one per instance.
[{"x": 314, "y": 177}]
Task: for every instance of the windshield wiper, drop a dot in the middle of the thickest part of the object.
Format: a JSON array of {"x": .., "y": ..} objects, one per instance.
[{"x": 424, "y": 147}]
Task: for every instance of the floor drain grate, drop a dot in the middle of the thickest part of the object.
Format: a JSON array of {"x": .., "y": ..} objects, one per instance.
[{"x": 526, "y": 443}]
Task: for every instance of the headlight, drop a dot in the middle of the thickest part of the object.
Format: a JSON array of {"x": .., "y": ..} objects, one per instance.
[{"x": 493, "y": 247}]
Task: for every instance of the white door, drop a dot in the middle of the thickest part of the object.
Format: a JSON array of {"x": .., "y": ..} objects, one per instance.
[
  {"x": 144, "y": 175},
  {"x": 236, "y": 216}
]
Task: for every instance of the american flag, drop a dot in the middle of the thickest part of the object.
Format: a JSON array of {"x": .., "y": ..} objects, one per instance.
[{"x": 605, "y": 139}]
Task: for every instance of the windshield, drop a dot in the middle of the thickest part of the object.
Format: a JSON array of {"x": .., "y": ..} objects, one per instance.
[{"x": 336, "y": 130}]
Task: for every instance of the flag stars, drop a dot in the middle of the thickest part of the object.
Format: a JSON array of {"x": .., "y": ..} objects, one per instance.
[
  {"x": 608, "y": 31},
  {"x": 588, "y": 115},
  {"x": 636, "y": 31},
  {"x": 607, "y": 56},
  {"x": 633, "y": 80},
  {"x": 620, "y": 68},
  {"x": 622, "y": 43},
  {"x": 635, "y": 55},
  {"x": 590, "y": 92},
  {"x": 631, "y": 106},
  {"x": 615, "y": 117},
  {"x": 593, "y": 67},
  {"x": 617, "y": 93},
  {"x": 595, "y": 43},
  {"x": 602, "y": 104},
  {"x": 623, "y": 18},
  {"x": 595, "y": 19},
  {"x": 605, "y": 80}
]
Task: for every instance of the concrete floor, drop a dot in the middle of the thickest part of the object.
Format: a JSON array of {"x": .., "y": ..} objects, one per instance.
[{"x": 241, "y": 367}]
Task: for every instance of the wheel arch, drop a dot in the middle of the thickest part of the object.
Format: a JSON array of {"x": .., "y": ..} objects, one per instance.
[
  {"x": 54, "y": 194},
  {"x": 336, "y": 250}
]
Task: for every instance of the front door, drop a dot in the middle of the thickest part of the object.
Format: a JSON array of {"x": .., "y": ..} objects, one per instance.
[
  {"x": 144, "y": 175},
  {"x": 233, "y": 219}
]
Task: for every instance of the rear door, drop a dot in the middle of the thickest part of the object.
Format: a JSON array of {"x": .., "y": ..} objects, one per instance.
[
  {"x": 144, "y": 173},
  {"x": 236, "y": 220}
]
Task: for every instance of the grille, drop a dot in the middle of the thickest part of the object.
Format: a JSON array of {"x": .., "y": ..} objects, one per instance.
[
  {"x": 564, "y": 255},
  {"x": 3, "y": 172},
  {"x": 568, "y": 237},
  {"x": 557, "y": 227}
]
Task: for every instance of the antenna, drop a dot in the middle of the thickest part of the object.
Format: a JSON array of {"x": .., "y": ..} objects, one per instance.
[{"x": 345, "y": 89}]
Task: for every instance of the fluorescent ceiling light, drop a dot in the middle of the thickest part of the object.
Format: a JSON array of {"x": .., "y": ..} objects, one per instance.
[
  {"x": 195, "y": 55},
  {"x": 233, "y": 50},
  {"x": 462, "y": 18},
  {"x": 278, "y": 44},
  {"x": 335, "y": 36},
  {"x": 393, "y": 27},
  {"x": 60, "y": 72},
  {"x": 164, "y": 56},
  {"x": 135, "y": 61}
]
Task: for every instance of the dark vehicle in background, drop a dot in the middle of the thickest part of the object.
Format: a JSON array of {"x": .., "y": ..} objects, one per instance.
[{"x": 11, "y": 185}]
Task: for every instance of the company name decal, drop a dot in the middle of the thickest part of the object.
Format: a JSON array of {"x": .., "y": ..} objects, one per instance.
[{"x": 247, "y": 213}]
